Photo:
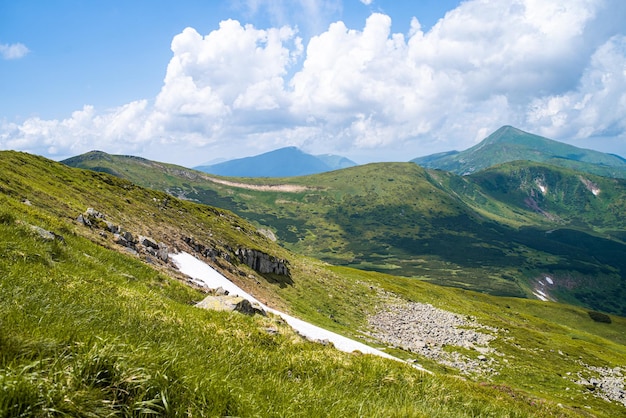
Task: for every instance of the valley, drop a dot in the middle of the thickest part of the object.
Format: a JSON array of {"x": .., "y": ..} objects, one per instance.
[
  {"x": 95, "y": 317},
  {"x": 494, "y": 231}
]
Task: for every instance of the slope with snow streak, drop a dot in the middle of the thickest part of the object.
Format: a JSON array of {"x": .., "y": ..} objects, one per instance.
[{"x": 205, "y": 274}]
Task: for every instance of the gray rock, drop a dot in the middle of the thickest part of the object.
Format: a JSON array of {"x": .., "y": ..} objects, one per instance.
[
  {"x": 220, "y": 291},
  {"x": 92, "y": 213},
  {"x": 128, "y": 236},
  {"x": 230, "y": 304},
  {"x": 148, "y": 242},
  {"x": 43, "y": 233},
  {"x": 423, "y": 329},
  {"x": 163, "y": 253},
  {"x": 115, "y": 229},
  {"x": 83, "y": 220},
  {"x": 262, "y": 262}
]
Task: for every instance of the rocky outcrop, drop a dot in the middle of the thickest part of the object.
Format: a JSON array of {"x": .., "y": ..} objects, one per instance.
[
  {"x": 206, "y": 251},
  {"x": 93, "y": 219},
  {"x": 257, "y": 260},
  {"x": 262, "y": 262}
]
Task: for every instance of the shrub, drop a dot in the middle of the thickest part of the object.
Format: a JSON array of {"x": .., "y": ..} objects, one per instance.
[
  {"x": 599, "y": 317},
  {"x": 7, "y": 218}
]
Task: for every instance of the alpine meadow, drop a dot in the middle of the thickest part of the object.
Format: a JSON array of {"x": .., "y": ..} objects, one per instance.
[
  {"x": 313, "y": 208},
  {"x": 497, "y": 293}
]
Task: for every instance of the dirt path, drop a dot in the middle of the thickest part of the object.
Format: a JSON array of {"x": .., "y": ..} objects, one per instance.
[{"x": 289, "y": 188}]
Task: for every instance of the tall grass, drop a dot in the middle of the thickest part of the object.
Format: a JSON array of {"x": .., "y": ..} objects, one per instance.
[{"x": 88, "y": 332}]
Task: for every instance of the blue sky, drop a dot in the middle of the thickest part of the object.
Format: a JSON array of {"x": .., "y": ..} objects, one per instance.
[{"x": 192, "y": 81}]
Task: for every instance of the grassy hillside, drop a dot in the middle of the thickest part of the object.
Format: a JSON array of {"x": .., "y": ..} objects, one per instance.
[
  {"x": 494, "y": 231},
  {"x": 510, "y": 144},
  {"x": 88, "y": 328}
]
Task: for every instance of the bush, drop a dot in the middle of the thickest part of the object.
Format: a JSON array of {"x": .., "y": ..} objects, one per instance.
[
  {"x": 7, "y": 218},
  {"x": 599, "y": 317}
]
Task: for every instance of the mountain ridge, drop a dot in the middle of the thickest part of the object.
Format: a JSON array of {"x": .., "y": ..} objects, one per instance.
[
  {"x": 92, "y": 326},
  {"x": 510, "y": 144},
  {"x": 282, "y": 162},
  {"x": 486, "y": 231}
]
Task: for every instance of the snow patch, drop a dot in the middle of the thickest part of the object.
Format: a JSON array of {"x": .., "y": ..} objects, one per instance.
[
  {"x": 540, "y": 295},
  {"x": 549, "y": 279},
  {"x": 591, "y": 186},
  {"x": 541, "y": 186},
  {"x": 204, "y": 274}
]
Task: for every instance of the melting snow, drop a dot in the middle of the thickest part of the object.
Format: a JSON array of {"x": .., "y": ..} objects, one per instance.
[
  {"x": 540, "y": 295},
  {"x": 549, "y": 280},
  {"x": 202, "y": 273}
]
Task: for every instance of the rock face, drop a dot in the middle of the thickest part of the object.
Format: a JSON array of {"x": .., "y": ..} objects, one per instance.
[
  {"x": 262, "y": 262},
  {"x": 257, "y": 260}
]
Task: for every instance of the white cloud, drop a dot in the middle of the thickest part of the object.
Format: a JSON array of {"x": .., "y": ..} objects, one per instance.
[
  {"x": 13, "y": 51},
  {"x": 552, "y": 68},
  {"x": 597, "y": 107}
]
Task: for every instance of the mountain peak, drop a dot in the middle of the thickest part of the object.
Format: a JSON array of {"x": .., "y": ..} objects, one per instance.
[
  {"x": 283, "y": 162},
  {"x": 508, "y": 134},
  {"x": 512, "y": 144}
]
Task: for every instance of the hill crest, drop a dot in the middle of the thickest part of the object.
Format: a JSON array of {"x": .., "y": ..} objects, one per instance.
[{"x": 511, "y": 144}]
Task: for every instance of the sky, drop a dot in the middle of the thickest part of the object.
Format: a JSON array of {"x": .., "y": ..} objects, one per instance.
[{"x": 194, "y": 81}]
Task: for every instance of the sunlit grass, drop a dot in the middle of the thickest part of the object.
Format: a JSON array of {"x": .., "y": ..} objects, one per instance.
[{"x": 87, "y": 331}]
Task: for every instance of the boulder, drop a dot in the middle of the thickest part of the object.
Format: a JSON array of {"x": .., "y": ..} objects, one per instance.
[
  {"x": 148, "y": 242},
  {"x": 162, "y": 252},
  {"x": 115, "y": 229},
  {"x": 230, "y": 304},
  {"x": 43, "y": 233}
]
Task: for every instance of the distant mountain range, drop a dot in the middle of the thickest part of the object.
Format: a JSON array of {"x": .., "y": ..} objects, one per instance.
[
  {"x": 283, "y": 162},
  {"x": 98, "y": 320},
  {"x": 507, "y": 144},
  {"x": 510, "y": 144},
  {"x": 500, "y": 230}
]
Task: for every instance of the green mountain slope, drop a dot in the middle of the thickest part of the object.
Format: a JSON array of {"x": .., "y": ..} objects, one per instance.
[
  {"x": 458, "y": 231},
  {"x": 283, "y": 162},
  {"x": 90, "y": 328},
  {"x": 511, "y": 144}
]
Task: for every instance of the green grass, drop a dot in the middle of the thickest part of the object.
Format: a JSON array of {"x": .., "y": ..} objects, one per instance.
[
  {"x": 85, "y": 331},
  {"x": 475, "y": 232},
  {"x": 88, "y": 330}
]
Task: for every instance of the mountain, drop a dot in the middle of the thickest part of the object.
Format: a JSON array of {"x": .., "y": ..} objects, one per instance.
[
  {"x": 283, "y": 162},
  {"x": 499, "y": 231},
  {"x": 97, "y": 321},
  {"x": 511, "y": 144}
]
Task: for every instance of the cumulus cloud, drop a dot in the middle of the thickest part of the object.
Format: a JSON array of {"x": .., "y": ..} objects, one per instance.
[
  {"x": 552, "y": 68},
  {"x": 120, "y": 130},
  {"x": 597, "y": 106},
  {"x": 13, "y": 51}
]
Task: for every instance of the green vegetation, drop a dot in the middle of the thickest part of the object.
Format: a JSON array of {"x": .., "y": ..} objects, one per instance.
[
  {"x": 509, "y": 144},
  {"x": 87, "y": 329},
  {"x": 495, "y": 231}
]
